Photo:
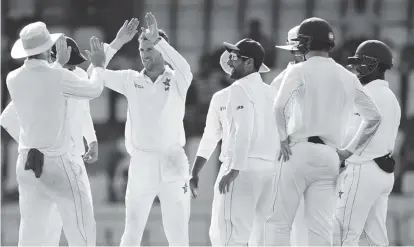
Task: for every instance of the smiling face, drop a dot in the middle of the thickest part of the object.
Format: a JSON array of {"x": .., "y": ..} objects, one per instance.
[{"x": 150, "y": 57}]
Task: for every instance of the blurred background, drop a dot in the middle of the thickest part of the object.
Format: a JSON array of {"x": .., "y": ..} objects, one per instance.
[{"x": 197, "y": 29}]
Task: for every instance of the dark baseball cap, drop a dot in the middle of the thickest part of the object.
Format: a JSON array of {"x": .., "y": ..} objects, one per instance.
[
  {"x": 76, "y": 56},
  {"x": 251, "y": 49}
]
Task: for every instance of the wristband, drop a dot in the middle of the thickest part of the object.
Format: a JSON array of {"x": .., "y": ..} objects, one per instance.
[{"x": 157, "y": 40}]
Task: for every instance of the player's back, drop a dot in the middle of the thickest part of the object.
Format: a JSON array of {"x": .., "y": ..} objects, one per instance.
[
  {"x": 324, "y": 100},
  {"x": 40, "y": 106}
]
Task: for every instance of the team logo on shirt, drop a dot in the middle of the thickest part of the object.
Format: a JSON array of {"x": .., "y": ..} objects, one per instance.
[
  {"x": 240, "y": 107},
  {"x": 167, "y": 84},
  {"x": 222, "y": 108},
  {"x": 340, "y": 194},
  {"x": 356, "y": 114},
  {"x": 185, "y": 188},
  {"x": 138, "y": 86}
]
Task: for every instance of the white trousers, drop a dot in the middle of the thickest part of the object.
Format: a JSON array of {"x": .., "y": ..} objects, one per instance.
[
  {"x": 150, "y": 175},
  {"x": 311, "y": 172},
  {"x": 299, "y": 234},
  {"x": 64, "y": 185},
  {"x": 361, "y": 208},
  {"x": 245, "y": 205}
]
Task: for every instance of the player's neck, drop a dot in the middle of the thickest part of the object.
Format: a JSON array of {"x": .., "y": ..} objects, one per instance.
[
  {"x": 316, "y": 54},
  {"x": 155, "y": 72}
]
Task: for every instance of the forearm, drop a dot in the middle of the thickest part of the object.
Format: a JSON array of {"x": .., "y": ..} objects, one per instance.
[
  {"x": 280, "y": 121},
  {"x": 198, "y": 165}
]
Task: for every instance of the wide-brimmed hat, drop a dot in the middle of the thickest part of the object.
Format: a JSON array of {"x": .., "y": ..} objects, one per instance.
[
  {"x": 247, "y": 48},
  {"x": 34, "y": 39},
  {"x": 291, "y": 44}
]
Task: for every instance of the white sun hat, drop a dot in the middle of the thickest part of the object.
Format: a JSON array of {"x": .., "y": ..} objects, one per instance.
[
  {"x": 291, "y": 45},
  {"x": 34, "y": 39}
]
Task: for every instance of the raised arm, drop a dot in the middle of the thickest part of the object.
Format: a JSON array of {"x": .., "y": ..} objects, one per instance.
[
  {"x": 10, "y": 121},
  {"x": 74, "y": 86},
  {"x": 180, "y": 65},
  {"x": 291, "y": 83}
]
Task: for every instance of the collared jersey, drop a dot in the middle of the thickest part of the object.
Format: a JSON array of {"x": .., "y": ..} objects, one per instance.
[
  {"x": 383, "y": 141},
  {"x": 252, "y": 132},
  {"x": 216, "y": 127},
  {"x": 324, "y": 93},
  {"x": 155, "y": 109},
  {"x": 40, "y": 96}
]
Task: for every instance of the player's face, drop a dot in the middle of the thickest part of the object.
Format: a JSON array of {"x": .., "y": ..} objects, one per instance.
[
  {"x": 297, "y": 56},
  {"x": 150, "y": 57},
  {"x": 237, "y": 64}
]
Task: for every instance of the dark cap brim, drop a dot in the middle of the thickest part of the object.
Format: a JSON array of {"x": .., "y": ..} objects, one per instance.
[{"x": 230, "y": 47}]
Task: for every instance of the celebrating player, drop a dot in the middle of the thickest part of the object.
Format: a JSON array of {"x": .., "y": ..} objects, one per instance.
[
  {"x": 369, "y": 176},
  {"x": 247, "y": 178},
  {"x": 81, "y": 125},
  {"x": 154, "y": 133},
  {"x": 324, "y": 93},
  {"x": 48, "y": 172}
]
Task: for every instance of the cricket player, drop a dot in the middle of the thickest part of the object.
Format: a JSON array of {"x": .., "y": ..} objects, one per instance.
[
  {"x": 324, "y": 94},
  {"x": 81, "y": 126},
  {"x": 47, "y": 172},
  {"x": 154, "y": 135},
  {"x": 361, "y": 208},
  {"x": 299, "y": 233},
  {"x": 216, "y": 129},
  {"x": 247, "y": 181}
]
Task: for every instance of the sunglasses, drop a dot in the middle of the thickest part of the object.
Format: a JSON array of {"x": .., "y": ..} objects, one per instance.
[{"x": 234, "y": 56}]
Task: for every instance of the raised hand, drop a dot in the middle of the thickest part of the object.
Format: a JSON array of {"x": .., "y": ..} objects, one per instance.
[
  {"x": 127, "y": 31},
  {"x": 62, "y": 51},
  {"x": 97, "y": 53},
  {"x": 151, "y": 33}
]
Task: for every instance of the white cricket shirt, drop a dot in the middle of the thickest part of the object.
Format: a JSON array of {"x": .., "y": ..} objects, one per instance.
[
  {"x": 40, "y": 96},
  {"x": 325, "y": 94},
  {"x": 80, "y": 119},
  {"x": 253, "y": 139},
  {"x": 81, "y": 124},
  {"x": 216, "y": 127},
  {"x": 155, "y": 109},
  {"x": 383, "y": 141}
]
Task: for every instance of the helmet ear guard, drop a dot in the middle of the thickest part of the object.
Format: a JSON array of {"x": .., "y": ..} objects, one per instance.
[
  {"x": 364, "y": 65},
  {"x": 304, "y": 43}
]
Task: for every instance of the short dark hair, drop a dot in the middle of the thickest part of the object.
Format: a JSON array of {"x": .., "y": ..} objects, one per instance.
[{"x": 161, "y": 33}]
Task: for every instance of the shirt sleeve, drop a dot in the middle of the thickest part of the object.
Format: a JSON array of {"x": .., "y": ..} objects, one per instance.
[
  {"x": 212, "y": 132},
  {"x": 75, "y": 87},
  {"x": 181, "y": 67},
  {"x": 371, "y": 119},
  {"x": 10, "y": 121},
  {"x": 114, "y": 80},
  {"x": 87, "y": 126},
  {"x": 291, "y": 83},
  {"x": 241, "y": 126}
]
